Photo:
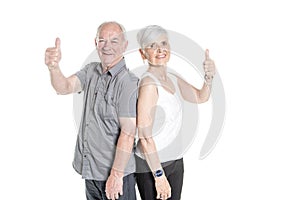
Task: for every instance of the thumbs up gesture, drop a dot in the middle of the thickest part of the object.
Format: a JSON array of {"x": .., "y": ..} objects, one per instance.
[
  {"x": 209, "y": 68},
  {"x": 53, "y": 55}
]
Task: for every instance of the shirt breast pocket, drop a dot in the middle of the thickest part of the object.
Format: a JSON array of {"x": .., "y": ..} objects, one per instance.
[
  {"x": 110, "y": 106},
  {"x": 110, "y": 115}
]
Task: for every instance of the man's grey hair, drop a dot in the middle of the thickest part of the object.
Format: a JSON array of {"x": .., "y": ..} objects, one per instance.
[
  {"x": 112, "y": 22},
  {"x": 149, "y": 34}
]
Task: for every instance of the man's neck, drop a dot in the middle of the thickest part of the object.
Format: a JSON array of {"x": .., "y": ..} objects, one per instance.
[{"x": 107, "y": 67}]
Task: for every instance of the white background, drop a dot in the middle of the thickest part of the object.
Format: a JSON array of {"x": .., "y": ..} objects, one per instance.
[{"x": 255, "y": 45}]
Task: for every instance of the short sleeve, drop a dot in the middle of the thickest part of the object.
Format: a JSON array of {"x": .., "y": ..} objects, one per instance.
[
  {"x": 84, "y": 73},
  {"x": 82, "y": 76},
  {"x": 128, "y": 97}
]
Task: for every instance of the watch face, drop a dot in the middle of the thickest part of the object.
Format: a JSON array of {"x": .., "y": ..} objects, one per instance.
[{"x": 159, "y": 173}]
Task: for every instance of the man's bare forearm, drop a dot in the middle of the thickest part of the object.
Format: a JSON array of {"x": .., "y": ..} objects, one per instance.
[
  {"x": 63, "y": 85},
  {"x": 123, "y": 153}
]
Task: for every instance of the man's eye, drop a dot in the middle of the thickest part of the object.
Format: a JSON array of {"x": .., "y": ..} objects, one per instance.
[{"x": 101, "y": 40}]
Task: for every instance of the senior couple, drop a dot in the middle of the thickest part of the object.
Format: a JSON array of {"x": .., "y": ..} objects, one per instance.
[{"x": 116, "y": 103}]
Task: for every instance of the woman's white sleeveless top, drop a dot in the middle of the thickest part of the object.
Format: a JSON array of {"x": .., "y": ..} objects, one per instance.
[{"x": 167, "y": 121}]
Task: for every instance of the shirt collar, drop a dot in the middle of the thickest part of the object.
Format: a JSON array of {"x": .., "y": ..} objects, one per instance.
[{"x": 115, "y": 69}]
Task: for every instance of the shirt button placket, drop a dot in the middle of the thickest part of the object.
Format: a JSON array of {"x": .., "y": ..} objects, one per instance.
[{"x": 85, "y": 150}]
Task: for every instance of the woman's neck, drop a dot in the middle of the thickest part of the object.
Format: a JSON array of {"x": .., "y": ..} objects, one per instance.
[{"x": 159, "y": 71}]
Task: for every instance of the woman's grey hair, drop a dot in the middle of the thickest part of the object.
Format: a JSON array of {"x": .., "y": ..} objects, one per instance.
[
  {"x": 149, "y": 34},
  {"x": 112, "y": 22}
]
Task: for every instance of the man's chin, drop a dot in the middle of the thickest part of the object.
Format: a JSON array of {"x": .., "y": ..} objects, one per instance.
[{"x": 109, "y": 61}]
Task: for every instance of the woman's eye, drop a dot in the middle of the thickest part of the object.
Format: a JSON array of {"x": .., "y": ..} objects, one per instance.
[{"x": 152, "y": 45}]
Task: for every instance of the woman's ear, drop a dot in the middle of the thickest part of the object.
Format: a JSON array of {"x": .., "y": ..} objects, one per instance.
[{"x": 142, "y": 52}]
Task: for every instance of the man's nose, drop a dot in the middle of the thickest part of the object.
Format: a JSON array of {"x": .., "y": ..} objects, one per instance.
[{"x": 107, "y": 44}]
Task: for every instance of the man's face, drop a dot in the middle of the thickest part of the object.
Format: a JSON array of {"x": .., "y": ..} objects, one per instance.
[{"x": 110, "y": 45}]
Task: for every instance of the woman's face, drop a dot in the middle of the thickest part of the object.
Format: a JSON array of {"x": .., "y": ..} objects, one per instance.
[{"x": 158, "y": 52}]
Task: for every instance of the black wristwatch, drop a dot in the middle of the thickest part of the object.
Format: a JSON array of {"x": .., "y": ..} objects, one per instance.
[{"x": 158, "y": 173}]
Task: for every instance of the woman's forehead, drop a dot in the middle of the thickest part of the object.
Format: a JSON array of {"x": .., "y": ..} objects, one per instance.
[{"x": 159, "y": 38}]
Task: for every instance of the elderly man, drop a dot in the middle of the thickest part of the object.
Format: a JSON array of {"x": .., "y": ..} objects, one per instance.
[{"x": 104, "y": 148}]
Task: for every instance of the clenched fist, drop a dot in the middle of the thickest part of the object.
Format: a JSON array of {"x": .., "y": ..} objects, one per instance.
[{"x": 53, "y": 55}]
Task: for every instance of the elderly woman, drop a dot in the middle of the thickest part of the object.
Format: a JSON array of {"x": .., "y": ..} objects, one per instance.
[{"x": 159, "y": 172}]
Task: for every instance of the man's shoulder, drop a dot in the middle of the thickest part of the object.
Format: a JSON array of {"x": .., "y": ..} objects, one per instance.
[
  {"x": 128, "y": 75},
  {"x": 132, "y": 76},
  {"x": 90, "y": 67},
  {"x": 93, "y": 65}
]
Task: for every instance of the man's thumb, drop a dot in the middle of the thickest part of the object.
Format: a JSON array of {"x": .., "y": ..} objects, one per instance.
[
  {"x": 206, "y": 54},
  {"x": 57, "y": 43}
]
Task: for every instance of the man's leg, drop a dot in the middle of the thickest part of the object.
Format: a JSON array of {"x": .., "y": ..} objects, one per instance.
[
  {"x": 128, "y": 188},
  {"x": 93, "y": 190}
]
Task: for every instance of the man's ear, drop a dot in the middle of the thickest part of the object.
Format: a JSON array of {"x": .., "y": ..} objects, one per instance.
[
  {"x": 95, "y": 42},
  {"x": 125, "y": 45}
]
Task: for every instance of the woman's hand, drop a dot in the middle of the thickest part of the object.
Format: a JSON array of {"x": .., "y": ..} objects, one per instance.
[
  {"x": 209, "y": 68},
  {"x": 163, "y": 188}
]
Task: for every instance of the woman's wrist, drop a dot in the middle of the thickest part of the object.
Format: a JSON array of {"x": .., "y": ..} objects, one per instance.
[{"x": 158, "y": 173}]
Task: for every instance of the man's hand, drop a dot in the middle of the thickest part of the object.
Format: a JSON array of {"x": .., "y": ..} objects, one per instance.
[
  {"x": 209, "y": 68},
  {"x": 114, "y": 185},
  {"x": 53, "y": 55},
  {"x": 163, "y": 188}
]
